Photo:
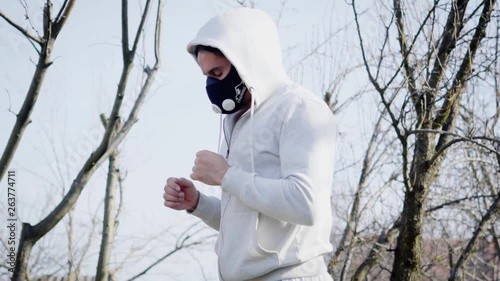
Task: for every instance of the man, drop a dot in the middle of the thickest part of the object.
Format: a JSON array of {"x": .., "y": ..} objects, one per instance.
[{"x": 276, "y": 168}]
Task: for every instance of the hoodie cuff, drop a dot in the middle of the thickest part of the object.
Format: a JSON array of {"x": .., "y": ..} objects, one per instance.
[{"x": 202, "y": 208}]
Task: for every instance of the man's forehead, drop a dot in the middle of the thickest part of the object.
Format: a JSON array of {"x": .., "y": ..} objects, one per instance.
[
  {"x": 206, "y": 56},
  {"x": 209, "y": 61}
]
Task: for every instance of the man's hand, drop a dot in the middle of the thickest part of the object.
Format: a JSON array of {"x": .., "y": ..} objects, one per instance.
[
  {"x": 180, "y": 194},
  {"x": 209, "y": 168}
]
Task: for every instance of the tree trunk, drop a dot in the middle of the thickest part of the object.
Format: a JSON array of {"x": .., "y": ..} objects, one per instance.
[
  {"x": 109, "y": 221},
  {"x": 21, "y": 270},
  {"x": 409, "y": 244}
]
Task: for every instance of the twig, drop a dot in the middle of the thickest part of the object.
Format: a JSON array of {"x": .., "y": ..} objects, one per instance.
[
  {"x": 479, "y": 231},
  {"x": 24, "y": 31},
  {"x": 141, "y": 26},
  {"x": 453, "y": 202},
  {"x": 62, "y": 17},
  {"x": 458, "y": 139},
  {"x": 10, "y": 104}
]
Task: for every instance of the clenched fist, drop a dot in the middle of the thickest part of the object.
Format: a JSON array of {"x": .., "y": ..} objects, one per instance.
[
  {"x": 180, "y": 194},
  {"x": 209, "y": 168}
]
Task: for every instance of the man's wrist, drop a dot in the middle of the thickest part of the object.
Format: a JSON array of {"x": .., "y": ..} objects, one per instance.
[{"x": 195, "y": 205}]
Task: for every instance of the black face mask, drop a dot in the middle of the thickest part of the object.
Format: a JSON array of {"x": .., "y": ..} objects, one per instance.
[{"x": 227, "y": 94}]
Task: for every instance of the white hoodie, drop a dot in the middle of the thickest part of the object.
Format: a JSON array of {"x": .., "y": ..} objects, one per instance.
[{"x": 274, "y": 215}]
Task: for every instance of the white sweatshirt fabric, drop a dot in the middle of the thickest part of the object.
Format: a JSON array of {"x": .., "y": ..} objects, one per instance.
[{"x": 274, "y": 223}]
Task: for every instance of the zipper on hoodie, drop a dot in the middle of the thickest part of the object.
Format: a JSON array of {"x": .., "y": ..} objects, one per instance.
[{"x": 228, "y": 144}]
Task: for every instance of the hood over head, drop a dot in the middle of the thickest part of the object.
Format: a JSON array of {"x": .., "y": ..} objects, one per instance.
[{"x": 249, "y": 39}]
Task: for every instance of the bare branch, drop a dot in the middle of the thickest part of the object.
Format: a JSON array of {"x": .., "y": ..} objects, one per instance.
[
  {"x": 457, "y": 201},
  {"x": 140, "y": 27},
  {"x": 121, "y": 179},
  {"x": 61, "y": 10},
  {"x": 157, "y": 39},
  {"x": 63, "y": 16},
  {"x": 24, "y": 31},
  {"x": 450, "y": 103},
  {"x": 408, "y": 65},
  {"x": 179, "y": 245},
  {"x": 10, "y": 103},
  {"x": 23, "y": 117},
  {"x": 493, "y": 210},
  {"x": 385, "y": 238},
  {"x": 280, "y": 13},
  {"x": 496, "y": 116},
  {"x": 316, "y": 48},
  {"x": 88, "y": 244},
  {"x": 451, "y": 32},
  {"x": 366, "y": 170},
  {"x": 459, "y": 138},
  {"x": 125, "y": 47},
  {"x": 48, "y": 29},
  {"x": 110, "y": 222},
  {"x": 363, "y": 52},
  {"x": 374, "y": 82}
]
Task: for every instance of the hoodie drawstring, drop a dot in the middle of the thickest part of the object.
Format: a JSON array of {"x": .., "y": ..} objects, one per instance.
[
  {"x": 252, "y": 92},
  {"x": 252, "y": 108},
  {"x": 220, "y": 135}
]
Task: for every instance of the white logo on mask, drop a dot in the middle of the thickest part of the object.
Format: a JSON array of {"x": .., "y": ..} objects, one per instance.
[{"x": 240, "y": 90}]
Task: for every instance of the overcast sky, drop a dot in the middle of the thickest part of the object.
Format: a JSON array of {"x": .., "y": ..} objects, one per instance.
[{"x": 175, "y": 122}]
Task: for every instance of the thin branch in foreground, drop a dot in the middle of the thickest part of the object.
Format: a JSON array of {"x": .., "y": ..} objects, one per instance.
[
  {"x": 10, "y": 103},
  {"x": 493, "y": 210},
  {"x": 125, "y": 46},
  {"x": 453, "y": 202},
  {"x": 180, "y": 244},
  {"x": 140, "y": 28},
  {"x": 24, "y": 31},
  {"x": 62, "y": 17}
]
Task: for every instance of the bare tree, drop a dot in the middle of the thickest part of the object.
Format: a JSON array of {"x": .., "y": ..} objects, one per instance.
[
  {"x": 425, "y": 93},
  {"x": 44, "y": 46},
  {"x": 112, "y": 137}
]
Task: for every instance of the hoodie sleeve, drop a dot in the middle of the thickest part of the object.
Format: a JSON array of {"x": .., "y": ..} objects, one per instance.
[
  {"x": 208, "y": 210},
  {"x": 306, "y": 151}
]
